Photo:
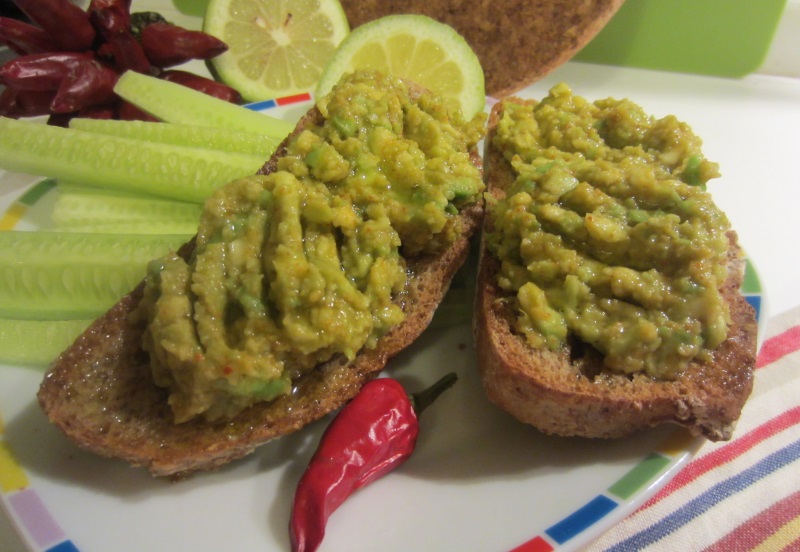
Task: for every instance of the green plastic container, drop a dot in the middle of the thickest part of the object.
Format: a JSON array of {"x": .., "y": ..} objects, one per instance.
[{"x": 727, "y": 38}]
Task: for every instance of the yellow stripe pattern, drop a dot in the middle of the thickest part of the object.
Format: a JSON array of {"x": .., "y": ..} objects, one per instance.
[
  {"x": 782, "y": 538},
  {"x": 12, "y": 476},
  {"x": 12, "y": 216}
]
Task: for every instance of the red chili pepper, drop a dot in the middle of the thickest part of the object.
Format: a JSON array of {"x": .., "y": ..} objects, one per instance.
[
  {"x": 110, "y": 16},
  {"x": 23, "y": 38},
  {"x": 8, "y": 103},
  {"x": 129, "y": 112},
  {"x": 141, "y": 19},
  {"x": 67, "y": 24},
  {"x": 167, "y": 45},
  {"x": 98, "y": 112},
  {"x": 25, "y": 103},
  {"x": 371, "y": 435},
  {"x": 202, "y": 84},
  {"x": 40, "y": 71},
  {"x": 92, "y": 112},
  {"x": 123, "y": 51},
  {"x": 89, "y": 84}
]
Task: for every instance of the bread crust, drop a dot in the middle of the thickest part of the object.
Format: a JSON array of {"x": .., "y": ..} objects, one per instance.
[
  {"x": 100, "y": 392},
  {"x": 517, "y": 41},
  {"x": 567, "y": 392}
]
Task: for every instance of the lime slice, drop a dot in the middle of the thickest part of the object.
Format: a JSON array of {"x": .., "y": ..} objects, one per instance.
[
  {"x": 413, "y": 47},
  {"x": 275, "y": 47}
]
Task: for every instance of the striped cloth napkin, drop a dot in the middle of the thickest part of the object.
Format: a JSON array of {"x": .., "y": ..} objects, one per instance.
[{"x": 743, "y": 494}]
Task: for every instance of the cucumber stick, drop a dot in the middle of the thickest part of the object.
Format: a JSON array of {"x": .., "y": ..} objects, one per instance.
[
  {"x": 37, "y": 343},
  {"x": 57, "y": 276},
  {"x": 178, "y": 172},
  {"x": 173, "y": 103},
  {"x": 221, "y": 139},
  {"x": 84, "y": 209},
  {"x": 132, "y": 227}
]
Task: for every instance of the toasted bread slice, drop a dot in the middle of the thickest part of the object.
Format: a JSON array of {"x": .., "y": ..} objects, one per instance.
[
  {"x": 100, "y": 392},
  {"x": 567, "y": 391},
  {"x": 548, "y": 32}
]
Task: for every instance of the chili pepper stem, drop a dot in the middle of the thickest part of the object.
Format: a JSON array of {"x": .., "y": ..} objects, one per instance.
[{"x": 423, "y": 399}]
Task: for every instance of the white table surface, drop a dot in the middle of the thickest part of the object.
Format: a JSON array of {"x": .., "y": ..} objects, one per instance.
[{"x": 749, "y": 126}]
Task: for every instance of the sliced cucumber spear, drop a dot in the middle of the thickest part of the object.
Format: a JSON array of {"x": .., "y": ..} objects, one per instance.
[
  {"x": 222, "y": 139},
  {"x": 178, "y": 172},
  {"x": 37, "y": 343},
  {"x": 83, "y": 209},
  {"x": 173, "y": 103},
  {"x": 59, "y": 276}
]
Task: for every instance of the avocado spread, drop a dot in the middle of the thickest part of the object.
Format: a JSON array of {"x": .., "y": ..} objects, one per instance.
[
  {"x": 305, "y": 263},
  {"x": 608, "y": 234}
]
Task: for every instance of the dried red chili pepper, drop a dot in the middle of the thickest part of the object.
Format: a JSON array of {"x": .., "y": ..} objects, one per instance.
[
  {"x": 40, "y": 71},
  {"x": 25, "y": 103},
  {"x": 98, "y": 112},
  {"x": 123, "y": 51},
  {"x": 110, "y": 16},
  {"x": 67, "y": 24},
  {"x": 33, "y": 103},
  {"x": 89, "y": 84},
  {"x": 129, "y": 112},
  {"x": 371, "y": 435},
  {"x": 167, "y": 45},
  {"x": 23, "y": 38},
  {"x": 202, "y": 84},
  {"x": 8, "y": 103},
  {"x": 141, "y": 19}
]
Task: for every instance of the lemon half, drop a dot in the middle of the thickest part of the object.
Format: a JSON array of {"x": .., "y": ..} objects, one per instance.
[
  {"x": 413, "y": 47},
  {"x": 275, "y": 47}
]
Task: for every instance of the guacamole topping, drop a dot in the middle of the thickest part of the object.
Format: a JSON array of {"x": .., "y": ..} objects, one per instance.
[
  {"x": 608, "y": 235},
  {"x": 308, "y": 262}
]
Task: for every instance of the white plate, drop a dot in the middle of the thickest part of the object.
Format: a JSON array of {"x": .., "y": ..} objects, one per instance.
[{"x": 477, "y": 481}]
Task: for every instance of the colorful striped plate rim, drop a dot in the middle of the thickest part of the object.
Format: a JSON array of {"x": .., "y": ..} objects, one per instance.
[{"x": 42, "y": 532}]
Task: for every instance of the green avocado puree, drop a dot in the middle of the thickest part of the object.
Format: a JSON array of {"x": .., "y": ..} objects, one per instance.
[
  {"x": 308, "y": 262},
  {"x": 608, "y": 233}
]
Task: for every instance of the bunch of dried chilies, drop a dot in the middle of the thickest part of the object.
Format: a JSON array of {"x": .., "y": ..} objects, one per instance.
[{"x": 68, "y": 60}]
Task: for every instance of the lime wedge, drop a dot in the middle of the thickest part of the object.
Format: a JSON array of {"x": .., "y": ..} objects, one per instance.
[
  {"x": 276, "y": 48},
  {"x": 413, "y": 47}
]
